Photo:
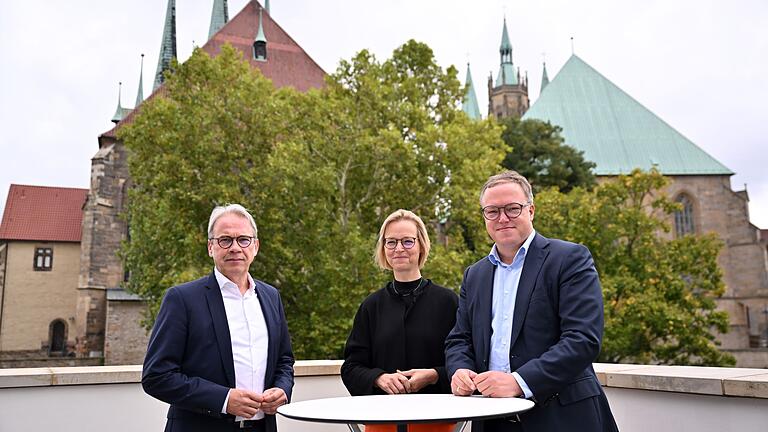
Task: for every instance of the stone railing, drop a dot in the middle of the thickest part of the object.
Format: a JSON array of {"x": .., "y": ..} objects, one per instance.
[{"x": 657, "y": 398}]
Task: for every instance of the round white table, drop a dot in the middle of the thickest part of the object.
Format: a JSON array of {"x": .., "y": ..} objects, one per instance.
[{"x": 404, "y": 409}]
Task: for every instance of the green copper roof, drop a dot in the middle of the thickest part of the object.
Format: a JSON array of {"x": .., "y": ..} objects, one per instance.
[
  {"x": 613, "y": 129},
  {"x": 260, "y": 35},
  {"x": 120, "y": 112},
  {"x": 140, "y": 93},
  {"x": 544, "y": 77},
  {"x": 219, "y": 17},
  {"x": 266, "y": 6},
  {"x": 507, "y": 74},
  {"x": 168, "y": 44},
  {"x": 505, "y": 45},
  {"x": 469, "y": 104}
]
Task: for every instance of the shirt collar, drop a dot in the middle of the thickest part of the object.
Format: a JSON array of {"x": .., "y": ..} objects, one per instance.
[
  {"x": 495, "y": 259},
  {"x": 224, "y": 281}
]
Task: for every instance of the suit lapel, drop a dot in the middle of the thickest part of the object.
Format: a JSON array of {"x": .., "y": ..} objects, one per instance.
[
  {"x": 484, "y": 289},
  {"x": 534, "y": 259},
  {"x": 220, "y": 327}
]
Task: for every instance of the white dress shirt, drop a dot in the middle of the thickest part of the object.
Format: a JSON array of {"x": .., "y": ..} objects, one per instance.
[{"x": 248, "y": 333}]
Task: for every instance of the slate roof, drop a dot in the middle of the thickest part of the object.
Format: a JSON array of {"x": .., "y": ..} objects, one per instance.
[
  {"x": 43, "y": 213},
  {"x": 613, "y": 129}
]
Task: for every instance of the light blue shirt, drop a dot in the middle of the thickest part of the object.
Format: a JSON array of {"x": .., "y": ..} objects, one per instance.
[{"x": 506, "y": 278}]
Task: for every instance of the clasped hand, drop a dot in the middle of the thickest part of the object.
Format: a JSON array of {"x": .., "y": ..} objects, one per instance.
[
  {"x": 410, "y": 381},
  {"x": 491, "y": 383},
  {"x": 246, "y": 403}
]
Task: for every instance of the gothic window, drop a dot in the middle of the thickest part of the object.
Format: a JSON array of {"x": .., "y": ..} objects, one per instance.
[
  {"x": 684, "y": 221},
  {"x": 43, "y": 259},
  {"x": 58, "y": 336}
]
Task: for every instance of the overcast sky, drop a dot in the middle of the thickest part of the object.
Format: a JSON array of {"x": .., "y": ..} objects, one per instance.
[{"x": 701, "y": 65}]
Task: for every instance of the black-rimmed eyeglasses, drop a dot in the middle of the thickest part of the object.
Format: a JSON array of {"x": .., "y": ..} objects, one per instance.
[
  {"x": 512, "y": 210},
  {"x": 407, "y": 242},
  {"x": 225, "y": 242}
]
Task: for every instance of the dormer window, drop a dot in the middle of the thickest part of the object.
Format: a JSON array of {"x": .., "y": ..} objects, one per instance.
[{"x": 260, "y": 50}]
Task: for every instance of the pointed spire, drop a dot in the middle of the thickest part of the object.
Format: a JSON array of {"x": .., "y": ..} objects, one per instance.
[
  {"x": 219, "y": 17},
  {"x": 469, "y": 104},
  {"x": 260, "y": 43},
  {"x": 168, "y": 44},
  {"x": 140, "y": 94},
  {"x": 544, "y": 77},
  {"x": 507, "y": 75},
  {"x": 119, "y": 111},
  {"x": 266, "y": 6},
  {"x": 505, "y": 44}
]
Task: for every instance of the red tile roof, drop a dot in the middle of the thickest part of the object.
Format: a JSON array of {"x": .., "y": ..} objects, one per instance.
[
  {"x": 287, "y": 65},
  {"x": 43, "y": 213}
]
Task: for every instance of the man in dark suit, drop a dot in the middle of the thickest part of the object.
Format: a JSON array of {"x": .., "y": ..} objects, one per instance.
[
  {"x": 220, "y": 353},
  {"x": 530, "y": 321}
]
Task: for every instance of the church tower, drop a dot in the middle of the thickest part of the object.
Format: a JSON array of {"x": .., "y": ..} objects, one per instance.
[{"x": 508, "y": 96}]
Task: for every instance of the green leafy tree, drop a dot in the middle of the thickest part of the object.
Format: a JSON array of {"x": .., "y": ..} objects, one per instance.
[
  {"x": 319, "y": 171},
  {"x": 538, "y": 153},
  {"x": 659, "y": 292}
]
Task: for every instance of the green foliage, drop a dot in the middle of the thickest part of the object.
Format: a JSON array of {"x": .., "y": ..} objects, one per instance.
[
  {"x": 659, "y": 292},
  {"x": 539, "y": 154},
  {"x": 319, "y": 171}
]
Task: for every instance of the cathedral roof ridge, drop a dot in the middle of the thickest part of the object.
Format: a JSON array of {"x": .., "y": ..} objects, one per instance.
[{"x": 613, "y": 129}]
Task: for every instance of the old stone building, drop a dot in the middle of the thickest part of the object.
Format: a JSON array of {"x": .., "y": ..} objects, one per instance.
[
  {"x": 619, "y": 134},
  {"x": 107, "y": 317},
  {"x": 39, "y": 262}
]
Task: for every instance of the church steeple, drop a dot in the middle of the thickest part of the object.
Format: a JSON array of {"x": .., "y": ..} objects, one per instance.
[
  {"x": 266, "y": 6},
  {"x": 219, "y": 17},
  {"x": 260, "y": 43},
  {"x": 469, "y": 104},
  {"x": 508, "y": 95},
  {"x": 544, "y": 77},
  {"x": 507, "y": 74},
  {"x": 140, "y": 93},
  {"x": 168, "y": 44},
  {"x": 120, "y": 111}
]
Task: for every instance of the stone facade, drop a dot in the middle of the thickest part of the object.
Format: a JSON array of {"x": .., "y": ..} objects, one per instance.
[
  {"x": 104, "y": 229},
  {"x": 125, "y": 340},
  {"x": 507, "y": 100},
  {"x": 719, "y": 209},
  {"x": 33, "y": 300}
]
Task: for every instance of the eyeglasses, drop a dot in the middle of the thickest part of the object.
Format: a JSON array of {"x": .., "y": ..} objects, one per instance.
[
  {"x": 225, "y": 242},
  {"x": 512, "y": 210},
  {"x": 407, "y": 242}
]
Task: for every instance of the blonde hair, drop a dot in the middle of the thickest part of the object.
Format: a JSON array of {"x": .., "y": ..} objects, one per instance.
[{"x": 421, "y": 235}]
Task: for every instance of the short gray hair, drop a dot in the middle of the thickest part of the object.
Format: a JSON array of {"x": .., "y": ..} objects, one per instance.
[
  {"x": 237, "y": 209},
  {"x": 508, "y": 177}
]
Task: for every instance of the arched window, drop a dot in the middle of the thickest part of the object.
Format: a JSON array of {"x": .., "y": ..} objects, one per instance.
[
  {"x": 684, "y": 222},
  {"x": 58, "y": 337}
]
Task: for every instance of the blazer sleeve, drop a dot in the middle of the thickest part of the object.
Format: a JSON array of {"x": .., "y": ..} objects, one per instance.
[
  {"x": 579, "y": 300},
  {"x": 162, "y": 375},
  {"x": 284, "y": 369},
  {"x": 459, "y": 350},
  {"x": 356, "y": 373}
]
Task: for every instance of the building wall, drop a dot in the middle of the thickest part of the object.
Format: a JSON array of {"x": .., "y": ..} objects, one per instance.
[
  {"x": 33, "y": 299},
  {"x": 103, "y": 231},
  {"x": 719, "y": 209},
  {"x": 125, "y": 341}
]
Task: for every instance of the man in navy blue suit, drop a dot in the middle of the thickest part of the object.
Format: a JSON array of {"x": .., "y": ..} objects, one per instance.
[
  {"x": 220, "y": 353},
  {"x": 530, "y": 321}
]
